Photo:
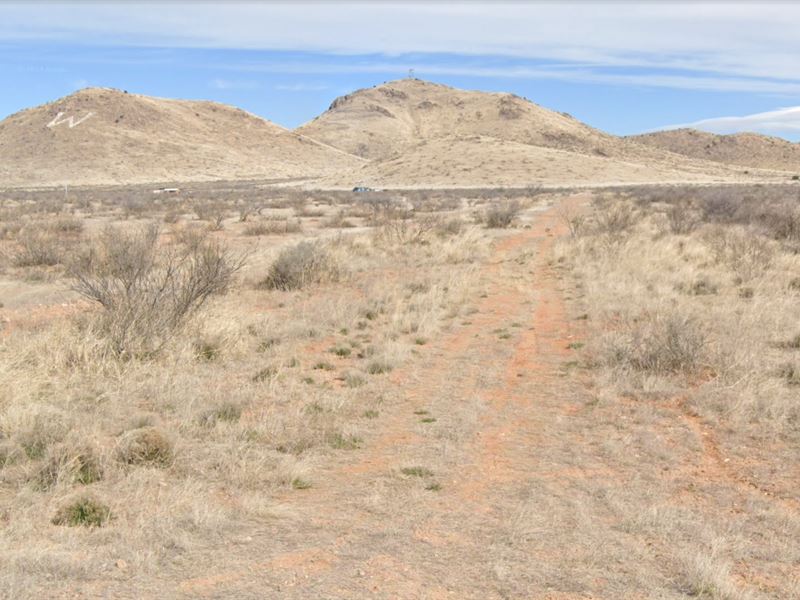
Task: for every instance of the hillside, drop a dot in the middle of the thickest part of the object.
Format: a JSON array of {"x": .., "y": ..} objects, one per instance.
[
  {"x": 98, "y": 136},
  {"x": 386, "y": 120},
  {"x": 480, "y": 161},
  {"x": 418, "y": 133},
  {"x": 743, "y": 149}
]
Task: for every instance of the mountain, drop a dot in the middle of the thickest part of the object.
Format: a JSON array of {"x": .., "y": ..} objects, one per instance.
[
  {"x": 743, "y": 149},
  {"x": 417, "y": 133},
  {"x": 406, "y": 133},
  {"x": 386, "y": 120},
  {"x": 105, "y": 136}
]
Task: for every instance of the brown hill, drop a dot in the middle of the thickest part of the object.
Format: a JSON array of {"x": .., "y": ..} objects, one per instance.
[
  {"x": 418, "y": 133},
  {"x": 481, "y": 161},
  {"x": 743, "y": 149},
  {"x": 386, "y": 120},
  {"x": 108, "y": 136}
]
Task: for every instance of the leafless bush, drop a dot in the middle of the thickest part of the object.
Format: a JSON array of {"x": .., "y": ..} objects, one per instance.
[
  {"x": 574, "y": 221},
  {"x": 383, "y": 209},
  {"x": 658, "y": 344},
  {"x": 273, "y": 227},
  {"x": 308, "y": 211},
  {"x": 66, "y": 225},
  {"x": 338, "y": 221},
  {"x": 134, "y": 207},
  {"x": 148, "y": 291},
  {"x": 682, "y": 217},
  {"x": 614, "y": 219},
  {"x": 37, "y": 247},
  {"x": 743, "y": 250},
  {"x": 449, "y": 227},
  {"x": 300, "y": 265},
  {"x": 407, "y": 231},
  {"x": 212, "y": 212},
  {"x": 502, "y": 214}
]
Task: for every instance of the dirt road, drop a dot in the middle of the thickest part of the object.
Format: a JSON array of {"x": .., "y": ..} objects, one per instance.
[
  {"x": 492, "y": 472},
  {"x": 447, "y": 498}
]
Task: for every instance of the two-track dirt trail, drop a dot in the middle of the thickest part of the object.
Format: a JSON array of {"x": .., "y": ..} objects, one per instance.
[
  {"x": 492, "y": 472},
  {"x": 464, "y": 488}
]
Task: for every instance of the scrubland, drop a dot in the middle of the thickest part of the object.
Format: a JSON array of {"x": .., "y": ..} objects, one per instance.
[
  {"x": 169, "y": 368},
  {"x": 691, "y": 299},
  {"x": 244, "y": 392}
]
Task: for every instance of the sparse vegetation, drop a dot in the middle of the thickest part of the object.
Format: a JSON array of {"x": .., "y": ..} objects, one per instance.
[
  {"x": 84, "y": 511},
  {"x": 502, "y": 214},
  {"x": 147, "y": 446},
  {"x": 148, "y": 291},
  {"x": 301, "y": 265},
  {"x": 267, "y": 410},
  {"x": 417, "y": 471}
]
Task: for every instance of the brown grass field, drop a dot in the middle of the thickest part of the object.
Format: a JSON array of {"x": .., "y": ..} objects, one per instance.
[{"x": 241, "y": 391}]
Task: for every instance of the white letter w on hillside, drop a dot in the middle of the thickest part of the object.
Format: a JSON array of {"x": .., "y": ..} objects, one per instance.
[{"x": 68, "y": 120}]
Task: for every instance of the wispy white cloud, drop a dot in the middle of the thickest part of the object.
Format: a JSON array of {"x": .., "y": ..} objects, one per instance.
[
  {"x": 711, "y": 39},
  {"x": 781, "y": 121},
  {"x": 301, "y": 87},
  {"x": 227, "y": 84},
  {"x": 551, "y": 72}
]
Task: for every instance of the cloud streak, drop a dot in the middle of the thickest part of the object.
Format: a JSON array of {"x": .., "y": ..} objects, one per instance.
[
  {"x": 741, "y": 40},
  {"x": 227, "y": 84},
  {"x": 548, "y": 72},
  {"x": 780, "y": 121}
]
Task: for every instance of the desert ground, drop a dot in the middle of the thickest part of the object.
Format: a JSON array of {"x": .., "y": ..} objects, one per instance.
[{"x": 248, "y": 391}]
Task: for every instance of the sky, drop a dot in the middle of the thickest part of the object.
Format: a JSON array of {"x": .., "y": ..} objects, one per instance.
[{"x": 625, "y": 67}]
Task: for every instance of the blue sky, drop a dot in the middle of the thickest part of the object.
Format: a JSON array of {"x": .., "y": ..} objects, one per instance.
[{"x": 625, "y": 67}]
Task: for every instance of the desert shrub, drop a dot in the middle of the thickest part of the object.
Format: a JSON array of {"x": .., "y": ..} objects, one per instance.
[
  {"x": 614, "y": 219},
  {"x": 172, "y": 216},
  {"x": 10, "y": 453},
  {"x": 699, "y": 287},
  {"x": 148, "y": 291},
  {"x": 227, "y": 412},
  {"x": 746, "y": 252},
  {"x": 147, "y": 446},
  {"x": 273, "y": 227},
  {"x": 406, "y": 231},
  {"x": 300, "y": 265},
  {"x": 192, "y": 237},
  {"x": 70, "y": 464},
  {"x": 213, "y": 213},
  {"x": 790, "y": 373},
  {"x": 134, "y": 207},
  {"x": 682, "y": 217},
  {"x": 338, "y": 221},
  {"x": 379, "y": 367},
  {"x": 308, "y": 211},
  {"x": 502, "y": 214},
  {"x": 448, "y": 227},
  {"x": 658, "y": 344},
  {"x": 66, "y": 225},
  {"x": 37, "y": 247},
  {"x": 574, "y": 221},
  {"x": 10, "y": 230},
  {"x": 85, "y": 511},
  {"x": 43, "y": 429}
]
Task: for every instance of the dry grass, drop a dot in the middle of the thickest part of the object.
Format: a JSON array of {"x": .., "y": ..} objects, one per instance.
[
  {"x": 691, "y": 319},
  {"x": 145, "y": 448}
]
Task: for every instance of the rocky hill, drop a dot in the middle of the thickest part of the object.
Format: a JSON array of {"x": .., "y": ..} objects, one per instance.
[
  {"x": 743, "y": 149},
  {"x": 102, "y": 136}
]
